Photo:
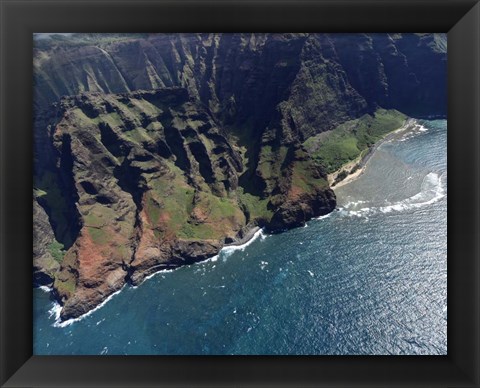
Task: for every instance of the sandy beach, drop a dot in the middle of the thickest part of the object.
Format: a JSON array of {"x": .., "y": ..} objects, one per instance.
[{"x": 359, "y": 164}]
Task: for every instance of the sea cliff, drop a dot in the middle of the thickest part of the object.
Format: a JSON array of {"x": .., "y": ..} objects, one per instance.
[{"x": 154, "y": 151}]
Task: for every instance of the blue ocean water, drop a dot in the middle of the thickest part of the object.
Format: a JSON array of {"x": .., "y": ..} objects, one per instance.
[{"x": 370, "y": 278}]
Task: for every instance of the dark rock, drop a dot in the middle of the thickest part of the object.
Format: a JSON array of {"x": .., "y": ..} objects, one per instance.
[{"x": 295, "y": 213}]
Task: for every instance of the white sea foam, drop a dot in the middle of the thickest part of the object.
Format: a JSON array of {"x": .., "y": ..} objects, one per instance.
[
  {"x": 165, "y": 270},
  {"x": 349, "y": 205},
  {"x": 324, "y": 216},
  {"x": 56, "y": 309},
  {"x": 212, "y": 259},
  {"x": 227, "y": 251},
  {"x": 416, "y": 130},
  {"x": 421, "y": 128},
  {"x": 431, "y": 191},
  {"x": 157, "y": 273},
  {"x": 45, "y": 289}
]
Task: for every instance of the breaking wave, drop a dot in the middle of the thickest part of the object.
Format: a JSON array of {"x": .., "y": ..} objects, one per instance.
[
  {"x": 227, "y": 251},
  {"x": 324, "y": 216},
  {"x": 431, "y": 191},
  {"x": 57, "y": 308},
  {"x": 417, "y": 129}
]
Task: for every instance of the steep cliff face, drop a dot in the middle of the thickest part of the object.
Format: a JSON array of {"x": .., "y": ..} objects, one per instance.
[
  {"x": 247, "y": 75},
  {"x": 148, "y": 181},
  {"x": 403, "y": 71},
  {"x": 153, "y": 151}
]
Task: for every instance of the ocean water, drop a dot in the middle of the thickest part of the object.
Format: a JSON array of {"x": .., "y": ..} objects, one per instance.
[{"x": 370, "y": 278}]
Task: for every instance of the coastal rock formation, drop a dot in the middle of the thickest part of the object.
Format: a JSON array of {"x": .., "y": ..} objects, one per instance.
[
  {"x": 152, "y": 151},
  {"x": 45, "y": 261}
]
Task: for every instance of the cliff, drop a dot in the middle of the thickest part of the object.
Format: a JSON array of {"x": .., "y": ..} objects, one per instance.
[{"x": 153, "y": 151}]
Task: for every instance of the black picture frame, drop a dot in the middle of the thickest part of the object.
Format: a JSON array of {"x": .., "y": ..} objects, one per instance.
[{"x": 20, "y": 18}]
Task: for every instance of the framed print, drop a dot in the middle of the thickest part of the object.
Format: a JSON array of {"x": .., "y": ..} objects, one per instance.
[{"x": 261, "y": 182}]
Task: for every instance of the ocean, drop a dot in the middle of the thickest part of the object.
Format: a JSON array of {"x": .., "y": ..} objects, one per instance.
[{"x": 369, "y": 278}]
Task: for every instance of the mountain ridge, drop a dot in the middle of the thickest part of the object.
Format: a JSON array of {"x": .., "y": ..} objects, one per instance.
[{"x": 166, "y": 147}]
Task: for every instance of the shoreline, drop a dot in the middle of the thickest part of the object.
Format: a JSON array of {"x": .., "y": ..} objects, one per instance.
[
  {"x": 251, "y": 233},
  {"x": 249, "y": 237},
  {"x": 359, "y": 164}
]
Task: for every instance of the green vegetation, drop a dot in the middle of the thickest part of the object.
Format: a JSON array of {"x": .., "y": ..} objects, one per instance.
[
  {"x": 99, "y": 220},
  {"x": 137, "y": 135},
  {"x": 349, "y": 140},
  {"x": 152, "y": 208},
  {"x": 217, "y": 215},
  {"x": 67, "y": 286},
  {"x": 98, "y": 235},
  {"x": 256, "y": 206},
  {"x": 242, "y": 135},
  {"x": 221, "y": 207},
  {"x": 173, "y": 208},
  {"x": 341, "y": 176},
  {"x": 46, "y": 187},
  {"x": 266, "y": 161},
  {"x": 113, "y": 119},
  {"x": 82, "y": 119},
  {"x": 271, "y": 160},
  {"x": 170, "y": 200},
  {"x": 39, "y": 193},
  {"x": 99, "y": 215},
  {"x": 197, "y": 232},
  {"x": 56, "y": 250},
  {"x": 303, "y": 177},
  {"x": 143, "y": 106}
]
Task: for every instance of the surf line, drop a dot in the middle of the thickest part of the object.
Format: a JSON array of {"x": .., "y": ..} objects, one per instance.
[
  {"x": 227, "y": 249},
  {"x": 355, "y": 168},
  {"x": 57, "y": 308}
]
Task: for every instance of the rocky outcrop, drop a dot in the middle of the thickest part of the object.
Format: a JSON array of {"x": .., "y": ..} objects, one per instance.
[
  {"x": 295, "y": 212},
  {"x": 45, "y": 264},
  {"x": 153, "y": 151}
]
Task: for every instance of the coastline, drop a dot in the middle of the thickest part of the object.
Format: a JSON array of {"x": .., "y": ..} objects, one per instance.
[
  {"x": 251, "y": 233},
  {"x": 249, "y": 236},
  {"x": 356, "y": 167},
  {"x": 246, "y": 277}
]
